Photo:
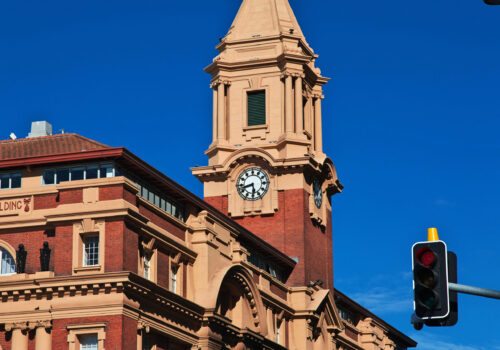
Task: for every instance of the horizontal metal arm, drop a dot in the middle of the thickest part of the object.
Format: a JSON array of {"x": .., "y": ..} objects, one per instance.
[{"x": 482, "y": 292}]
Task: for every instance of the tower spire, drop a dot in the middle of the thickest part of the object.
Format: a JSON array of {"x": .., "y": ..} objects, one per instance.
[{"x": 264, "y": 18}]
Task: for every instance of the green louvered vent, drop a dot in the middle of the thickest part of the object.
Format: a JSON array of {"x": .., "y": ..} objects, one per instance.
[{"x": 256, "y": 108}]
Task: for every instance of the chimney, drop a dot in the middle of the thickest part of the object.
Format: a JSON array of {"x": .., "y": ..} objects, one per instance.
[{"x": 41, "y": 128}]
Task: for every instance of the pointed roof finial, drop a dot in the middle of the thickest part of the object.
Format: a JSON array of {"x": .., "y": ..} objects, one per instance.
[{"x": 263, "y": 18}]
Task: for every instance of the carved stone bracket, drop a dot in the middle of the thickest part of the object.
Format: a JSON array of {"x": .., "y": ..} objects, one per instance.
[
  {"x": 292, "y": 74},
  {"x": 88, "y": 225},
  {"x": 149, "y": 245},
  {"x": 23, "y": 326},
  {"x": 217, "y": 82},
  {"x": 143, "y": 326}
]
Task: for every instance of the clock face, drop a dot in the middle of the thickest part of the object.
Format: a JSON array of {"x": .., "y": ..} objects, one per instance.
[
  {"x": 318, "y": 193},
  {"x": 253, "y": 184}
]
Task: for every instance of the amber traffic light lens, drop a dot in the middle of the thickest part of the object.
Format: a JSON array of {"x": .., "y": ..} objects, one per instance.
[
  {"x": 426, "y": 257},
  {"x": 426, "y": 277}
]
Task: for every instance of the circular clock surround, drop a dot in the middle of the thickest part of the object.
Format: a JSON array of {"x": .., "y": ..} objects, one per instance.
[
  {"x": 318, "y": 193},
  {"x": 253, "y": 184}
]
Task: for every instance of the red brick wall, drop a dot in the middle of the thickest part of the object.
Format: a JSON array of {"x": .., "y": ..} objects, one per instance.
[
  {"x": 163, "y": 223},
  {"x": 291, "y": 231},
  {"x": 163, "y": 271},
  {"x": 277, "y": 290},
  {"x": 60, "y": 242},
  {"x": 63, "y": 197},
  {"x": 62, "y": 252},
  {"x": 121, "y": 333},
  {"x": 31, "y": 340},
  {"x": 130, "y": 197},
  {"x": 5, "y": 339},
  {"x": 129, "y": 337},
  {"x": 114, "y": 246},
  {"x": 130, "y": 249},
  {"x": 108, "y": 193},
  {"x": 219, "y": 203},
  {"x": 351, "y": 334},
  {"x": 318, "y": 250},
  {"x": 122, "y": 247},
  {"x": 45, "y": 201},
  {"x": 114, "y": 331},
  {"x": 71, "y": 196}
]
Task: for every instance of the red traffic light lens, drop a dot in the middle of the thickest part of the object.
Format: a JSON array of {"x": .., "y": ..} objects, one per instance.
[{"x": 426, "y": 257}]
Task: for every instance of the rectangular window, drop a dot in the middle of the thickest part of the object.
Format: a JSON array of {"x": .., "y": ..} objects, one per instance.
[
  {"x": 346, "y": 315},
  {"x": 106, "y": 170},
  {"x": 56, "y": 176},
  {"x": 77, "y": 174},
  {"x": 92, "y": 172},
  {"x": 15, "y": 181},
  {"x": 173, "y": 279},
  {"x": 278, "y": 333},
  {"x": 161, "y": 201},
  {"x": 49, "y": 177},
  {"x": 62, "y": 175},
  {"x": 88, "y": 342},
  {"x": 147, "y": 266},
  {"x": 5, "y": 181},
  {"x": 91, "y": 251},
  {"x": 8, "y": 181},
  {"x": 256, "y": 108}
]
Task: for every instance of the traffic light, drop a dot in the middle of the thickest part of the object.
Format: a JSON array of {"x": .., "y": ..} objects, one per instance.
[
  {"x": 430, "y": 280},
  {"x": 452, "y": 318}
]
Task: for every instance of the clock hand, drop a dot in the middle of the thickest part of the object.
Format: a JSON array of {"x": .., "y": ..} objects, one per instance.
[{"x": 246, "y": 185}]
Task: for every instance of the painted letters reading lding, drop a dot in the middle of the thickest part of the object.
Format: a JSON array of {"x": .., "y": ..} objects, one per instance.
[{"x": 15, "y": 205}]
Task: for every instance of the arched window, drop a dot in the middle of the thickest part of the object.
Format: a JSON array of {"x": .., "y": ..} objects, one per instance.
[{"x": 7, "y": 263}]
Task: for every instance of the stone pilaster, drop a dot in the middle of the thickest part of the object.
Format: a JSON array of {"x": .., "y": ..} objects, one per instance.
[
  {"x": 19, "y": 335},
  {"x": 288, "y": 104},
  {"x": 299, "y": 106},
  {"x": 43, "y": 340},
  {"x": 318, "y": 129}
]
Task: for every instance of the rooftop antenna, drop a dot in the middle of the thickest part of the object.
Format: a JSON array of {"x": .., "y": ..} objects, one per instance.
[{"x": 12, "y": 136}]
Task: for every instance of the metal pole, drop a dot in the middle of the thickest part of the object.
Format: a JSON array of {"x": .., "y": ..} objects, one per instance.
[{"x": 482, "y": 292}]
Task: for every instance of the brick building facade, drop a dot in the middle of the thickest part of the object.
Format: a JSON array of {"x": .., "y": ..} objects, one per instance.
[{"x": 99, "y": 250}]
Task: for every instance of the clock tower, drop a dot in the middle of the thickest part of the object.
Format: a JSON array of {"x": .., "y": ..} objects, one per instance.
[{"x": 267, "y": 169}]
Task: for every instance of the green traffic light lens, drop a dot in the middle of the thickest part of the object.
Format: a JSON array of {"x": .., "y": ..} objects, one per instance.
[
  {"x": 426, "y": 277},
  {"x": 427, "y": 298}
]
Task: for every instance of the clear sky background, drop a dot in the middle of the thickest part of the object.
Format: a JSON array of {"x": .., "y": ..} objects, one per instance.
[{"x": 411, "y": 120}]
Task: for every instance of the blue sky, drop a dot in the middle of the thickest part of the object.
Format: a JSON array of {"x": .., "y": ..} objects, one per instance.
[{"x": 411, "y": 119}]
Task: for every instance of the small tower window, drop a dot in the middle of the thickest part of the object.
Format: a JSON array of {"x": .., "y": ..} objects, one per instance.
[{"x": 256, "y": 108}]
